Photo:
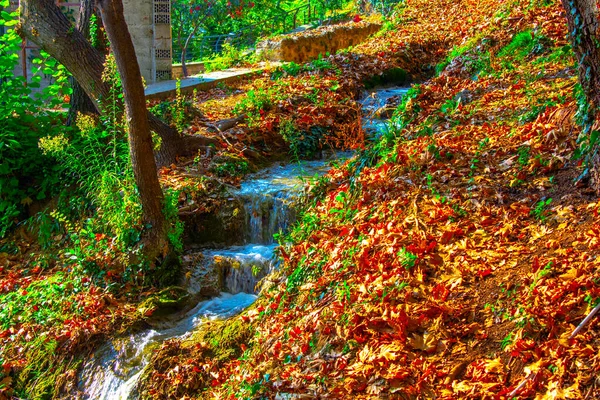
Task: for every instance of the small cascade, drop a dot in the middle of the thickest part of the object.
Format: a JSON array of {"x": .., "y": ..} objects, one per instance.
[
  {"x": 270, "y": 198},
  {"x": 235, "y": 269},
  {"x": 378, "y": 107}
]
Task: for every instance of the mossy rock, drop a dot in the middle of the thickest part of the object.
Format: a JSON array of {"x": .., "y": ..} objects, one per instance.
[
  {"x": 216, "y": 342},
  {"x": 165, "y": 302},
  {"x": 223, "y": 226},
  {"x": 228, "y": 164}
]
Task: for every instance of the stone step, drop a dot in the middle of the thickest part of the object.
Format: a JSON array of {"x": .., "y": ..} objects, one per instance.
[{"x": 166, "y": 89}]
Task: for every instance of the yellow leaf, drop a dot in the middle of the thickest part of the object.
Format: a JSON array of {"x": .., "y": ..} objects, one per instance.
[
  {"x": 570, "y": 275},
  {"x": 494, "y": 366}
]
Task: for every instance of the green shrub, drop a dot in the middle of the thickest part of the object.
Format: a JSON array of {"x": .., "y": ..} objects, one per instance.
[
  {"x": 525, "y": 44},
  {"x": 26, "y": 174}
]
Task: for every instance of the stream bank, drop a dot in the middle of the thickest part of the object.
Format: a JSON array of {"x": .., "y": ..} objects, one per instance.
[{"x": 266, "y": 204}]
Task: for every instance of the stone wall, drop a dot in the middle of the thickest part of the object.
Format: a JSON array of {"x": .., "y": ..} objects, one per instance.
[
  {"x": 309, "y": 45},
  {"x": 193, "y": 68}
]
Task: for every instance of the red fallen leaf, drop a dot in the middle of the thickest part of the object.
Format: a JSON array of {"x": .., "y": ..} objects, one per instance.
[
  {"x": 214, "y": 383},
  {"x": 6, "y": 367},
  {"x": 357, "y": 18},
  {"x": 484, "y": 273},
  {"x": 535, "y": 265},
  {"x": 197, "y": 369},
  {"x": 487, "y": 221},
  {"x": 446, "y": 237},
  {"x": 24, "y": 293},
  {"x": 305, "y": 348},
  {"x": 440, "y": 292},
  {"x": 243, "y": 347},
  {"x": 35, "y": 308},
  {"x": 295, "y": 332}
]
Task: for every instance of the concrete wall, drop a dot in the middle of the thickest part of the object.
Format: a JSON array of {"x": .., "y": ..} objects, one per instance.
[
  {"x": 193, "y": 68},
  {"x": 309, "y": 46},
  {"x": 139, "y": 18},
  {"x": 149, "y": 23}
]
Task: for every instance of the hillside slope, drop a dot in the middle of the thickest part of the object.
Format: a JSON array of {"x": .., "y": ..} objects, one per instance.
[{"x": 454, "y": 256}]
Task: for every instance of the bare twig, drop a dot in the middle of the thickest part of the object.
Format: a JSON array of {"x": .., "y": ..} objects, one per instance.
[
  {"x": 518, "y": 388},
  {"x": 585, "y": 321}
]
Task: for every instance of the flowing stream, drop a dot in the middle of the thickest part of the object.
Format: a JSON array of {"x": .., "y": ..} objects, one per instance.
[{"x": 269, "y": 199}]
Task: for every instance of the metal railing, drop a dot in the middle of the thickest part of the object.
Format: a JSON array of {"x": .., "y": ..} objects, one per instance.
[{"x": 284, "y": 21}]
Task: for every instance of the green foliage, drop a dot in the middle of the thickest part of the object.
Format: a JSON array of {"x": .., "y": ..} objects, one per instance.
[
  {"x": 179, "y": 108},
  {"x": 321, "y": 64},
  {"x": 94, "y": 159},
  {"x": 230, "y": 56},
  {"x": 287, "y": 69},
  {"x": 303, "y": 145},
  {"x": 26, "y": 174},
  {"x": 449, "y": 107},
  {"x": 175, "y": 225},
  {"x": 524, "y": 155},
  {"x": 540, "y": 211},
  {"x": 229, "y": 165},
  {"x": 456, "y": 52},
  {"x": 46, "y": 302},
  {"x": 256, "y": 100},
  {"x": 524, "y": 44},
  {"x": 94, "y": 31},
  {"x": 406, "y": 258}
]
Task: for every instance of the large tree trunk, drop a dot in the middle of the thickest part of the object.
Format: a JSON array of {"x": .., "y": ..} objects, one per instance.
[
  {"x": 139, "y": 137},
  {"x": 43, "y": 23},
  {"x": 582, "y": 18},
  {"x": 80, "y": 101}
]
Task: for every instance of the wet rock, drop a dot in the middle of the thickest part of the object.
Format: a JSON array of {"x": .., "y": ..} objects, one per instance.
[
  {"x": 222, "y": 224},
  {"x": 464, "y": 96}
]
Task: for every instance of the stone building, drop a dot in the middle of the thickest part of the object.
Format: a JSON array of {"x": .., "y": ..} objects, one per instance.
[{"x": 149, "y": 23}]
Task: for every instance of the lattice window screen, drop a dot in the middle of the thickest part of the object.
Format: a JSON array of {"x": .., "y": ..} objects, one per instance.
[
  {"x": 163, "y": 75},
  {"x": 162, "y": 11},
  {"x": 163, "y": 54}
]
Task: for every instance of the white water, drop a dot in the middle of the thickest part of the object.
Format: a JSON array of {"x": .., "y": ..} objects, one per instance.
[{"x": 270, "y": 195}]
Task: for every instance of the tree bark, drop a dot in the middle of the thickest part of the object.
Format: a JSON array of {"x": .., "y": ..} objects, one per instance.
[
  {"x": 42, "y": 22},
  {"x": 139, "y": 137},
  {"x": 582, "y": 19},
  {"x": 80, "y": 101},
  {"x": 184, "y": 71}
]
